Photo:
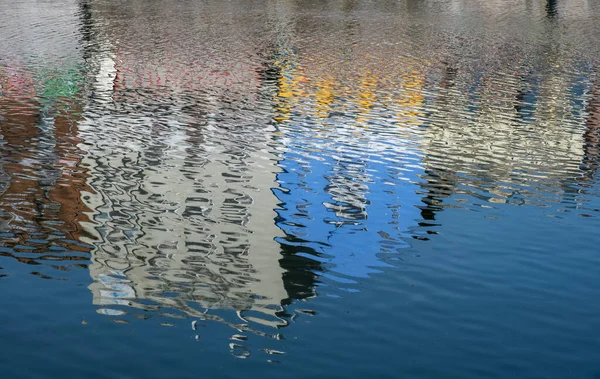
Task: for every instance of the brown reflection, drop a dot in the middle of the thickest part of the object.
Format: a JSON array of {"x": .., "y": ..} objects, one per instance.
[
  {"x": 70, "y": 186},
  {"x": 19, "y": 112},
  {"x": 41, "y": 202}
]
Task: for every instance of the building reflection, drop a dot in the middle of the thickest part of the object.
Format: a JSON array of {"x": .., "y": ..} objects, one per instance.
[
  {"x": 241, "y": 169},
  {"x": 40, "y": 105},
  {"x": 361, "y": 145},
  {"x": 494, "y": 128},
  {"x": 41, "y": 202},
  {"x": 513, "y": 131},
  {"x": 199, "y": 203},
  {"x": 183, "y": 170},
  {"x": 341, "y": 118}
]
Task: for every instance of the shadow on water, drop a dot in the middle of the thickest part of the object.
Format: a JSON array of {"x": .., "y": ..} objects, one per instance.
[
  {"x": 591, "y": 158},
  {"x": 551, "y": 8}
]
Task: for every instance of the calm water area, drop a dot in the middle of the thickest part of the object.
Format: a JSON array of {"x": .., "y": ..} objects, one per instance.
[{"x": 286, "y": 188}]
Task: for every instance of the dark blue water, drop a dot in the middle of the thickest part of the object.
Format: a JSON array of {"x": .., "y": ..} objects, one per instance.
[{"x": 320, "y": 188}]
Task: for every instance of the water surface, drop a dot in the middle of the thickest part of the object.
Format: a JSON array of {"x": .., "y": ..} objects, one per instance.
[{"x": 316, "y": 188}]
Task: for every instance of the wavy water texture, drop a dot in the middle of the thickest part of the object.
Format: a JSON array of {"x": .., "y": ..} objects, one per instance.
[{"x": 305, "y": 174}]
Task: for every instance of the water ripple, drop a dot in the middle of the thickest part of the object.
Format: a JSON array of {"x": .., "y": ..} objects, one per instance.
[{"x": 263, "y": 166}]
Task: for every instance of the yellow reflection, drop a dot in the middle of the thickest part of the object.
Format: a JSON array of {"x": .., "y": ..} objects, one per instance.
[
  {"x": 411, "y": 99},
  {"x": 288, "y": 86},
  {"x": 324, "y": 95},
  {"x": 366, "y": 97}
]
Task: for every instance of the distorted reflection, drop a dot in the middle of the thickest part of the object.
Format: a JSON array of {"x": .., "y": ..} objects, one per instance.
[
  {"x": 41, "y": 180},
  {"x": 229, "y": 161},
  {"x": 591, "y": 158},
  {"x": 343, "y": 203},
  {"x": 182, "y": 183},
  {"x": 508, "y": 134}
]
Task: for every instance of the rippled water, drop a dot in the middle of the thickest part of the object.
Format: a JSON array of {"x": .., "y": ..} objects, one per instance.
[{"x": 399, "y": 188}]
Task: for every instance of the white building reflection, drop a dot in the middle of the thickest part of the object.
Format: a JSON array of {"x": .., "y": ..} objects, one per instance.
[
  {"x": 182, "y": 190},
  {"x": 512, "y": 130}
]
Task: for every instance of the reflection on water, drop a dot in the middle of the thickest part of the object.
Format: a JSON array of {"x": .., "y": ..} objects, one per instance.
[
  {"x": 182, "y": 174},
  {"x": 41, "y": 176},
  {"x": 350, "y": 157},
  {"x": 196, "y": 158}
]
